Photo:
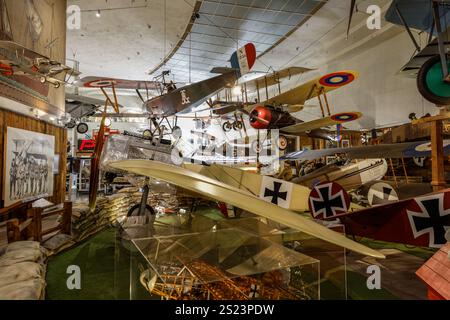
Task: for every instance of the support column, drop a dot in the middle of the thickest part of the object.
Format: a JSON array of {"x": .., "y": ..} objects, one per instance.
[{"x": 437, "y": 156}]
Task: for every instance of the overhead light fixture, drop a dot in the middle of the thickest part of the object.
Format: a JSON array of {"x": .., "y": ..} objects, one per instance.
[
  {"x": 98, "y": 14},
  {"x": 52, "y": 118}
]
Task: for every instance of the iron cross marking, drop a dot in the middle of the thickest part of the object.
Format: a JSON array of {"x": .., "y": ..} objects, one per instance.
[
  {"x": 432, "y": 222},
  {"x": 386, "y": 193},
  {"x": 254, "y": 293},
  {"x": 275, "y": 193},
  {"x": 328, "y": 204}
]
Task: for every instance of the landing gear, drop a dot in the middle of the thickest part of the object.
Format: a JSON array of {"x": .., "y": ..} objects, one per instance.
[
  {"x": 177, "y": 132},
  {"x": 227, "y": 126},
  {"x": 237, "y": 125},
  {"x": 431, "y": 84},
  {"x": 82, "y": 128}
]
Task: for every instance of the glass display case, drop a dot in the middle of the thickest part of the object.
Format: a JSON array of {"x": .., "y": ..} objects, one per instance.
[
  {"x": 231, "y": 249},
  {"x": 222, "y": 264}
]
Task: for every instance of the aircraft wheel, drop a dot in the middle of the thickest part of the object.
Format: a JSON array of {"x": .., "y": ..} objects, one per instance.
[
  {"x": 134, "y": 210},
  {"x": 176, "y": 132},
  {"x": 282, "y": 142},
  {"x": 227, "y": 126},
  {"x": 430, "y": 83},
  {"x": 147, "y": 133},
  {"x": 43, "y": 80},
  {"x": 237, "y": 125},
  {"x": 57, "y": 85},
  {"x": 256, "y": 146},
  {"x": 82, "y": 128}
]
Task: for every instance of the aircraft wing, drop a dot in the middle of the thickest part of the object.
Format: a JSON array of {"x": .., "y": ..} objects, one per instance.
[
  {"x": 396, "y": 150},
  {"x": 273, "y": 78},
  {"x": 308, "y": 90},
  {"x": 237, "y": 197},
  {"x": 86, "y": 100},
  {"x": 322, "y": 122},
  {"x": 419, "y": 221},
  {"x": 14, "y": 48},
  {"x": 104, "y": 82}
]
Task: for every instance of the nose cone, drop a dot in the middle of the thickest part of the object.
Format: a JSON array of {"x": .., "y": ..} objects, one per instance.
[{"x": 260, "y": 117}]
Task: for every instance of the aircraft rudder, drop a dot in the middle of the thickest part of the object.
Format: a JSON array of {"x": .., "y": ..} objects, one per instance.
[{"x": 244, "y": 58}]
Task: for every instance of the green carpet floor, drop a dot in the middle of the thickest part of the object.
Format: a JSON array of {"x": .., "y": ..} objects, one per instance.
[
  {"x": 106, "y": 265},
  {"x": 105, "y": 270}
]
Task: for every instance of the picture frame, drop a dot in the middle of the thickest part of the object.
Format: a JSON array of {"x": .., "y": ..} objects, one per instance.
[{"x": 28, "y": 165}]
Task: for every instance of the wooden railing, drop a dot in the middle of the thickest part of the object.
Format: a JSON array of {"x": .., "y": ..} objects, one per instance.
[{"x": 27, "y": 224}]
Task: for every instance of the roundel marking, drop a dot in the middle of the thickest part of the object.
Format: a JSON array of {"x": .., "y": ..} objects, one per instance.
[
  {"x": 345, "y": 117},
  {"x": 100, "y": 83},
  {"x": 337, "y": 79}
]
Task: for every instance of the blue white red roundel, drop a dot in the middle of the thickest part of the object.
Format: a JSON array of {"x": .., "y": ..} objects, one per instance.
[
  {"x": 337, "y": 79},
  {"x": 345, "y": 117}
]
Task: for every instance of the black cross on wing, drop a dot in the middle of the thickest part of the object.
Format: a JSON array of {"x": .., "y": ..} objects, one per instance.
[
  {"x": 433, "y": 219},
  {"x": 327, "y": 204},
  {"x": 275, "y": 193}
]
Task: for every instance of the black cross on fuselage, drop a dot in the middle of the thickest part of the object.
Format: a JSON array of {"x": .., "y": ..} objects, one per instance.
[
  {"x": 326, "y": 203},
  {"x": 275, "y": 193},
  {"x": 434, "y": 221},
  {"x": 386, "y": 193}
]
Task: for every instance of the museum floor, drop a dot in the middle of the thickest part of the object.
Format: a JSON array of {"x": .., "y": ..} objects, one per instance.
[{"x": 107, "y": 270}]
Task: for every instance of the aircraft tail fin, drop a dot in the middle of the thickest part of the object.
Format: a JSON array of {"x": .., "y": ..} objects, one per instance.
[{"x": 243, "y": 59}]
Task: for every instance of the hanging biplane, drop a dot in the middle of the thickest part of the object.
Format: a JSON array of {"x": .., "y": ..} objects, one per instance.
[
  {"x": 18, "y": 60},
  {"x": 172, "y": 100},
  {"x": 276, "y": 112}
]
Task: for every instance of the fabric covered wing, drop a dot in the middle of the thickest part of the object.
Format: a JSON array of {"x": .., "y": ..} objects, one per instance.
[
  {"x": 237, "y": 197},
  {"x": 310, "y": 89},
  {"x": 322, "y": 122}
]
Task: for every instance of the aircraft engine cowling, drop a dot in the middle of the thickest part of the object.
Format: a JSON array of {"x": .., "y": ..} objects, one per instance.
[
  {"x": 267, "y": 117},
  {"x": 260, "y": 117}
]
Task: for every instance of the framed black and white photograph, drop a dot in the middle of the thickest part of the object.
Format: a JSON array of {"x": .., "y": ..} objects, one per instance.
[{"x": 28, "y": 165}]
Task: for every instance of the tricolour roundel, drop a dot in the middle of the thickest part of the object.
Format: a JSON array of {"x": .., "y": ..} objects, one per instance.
[
  {"x": 100, "y": 83},
  {"x": 345, "y": 117},
  {"x": 337, "y": 79},
  {"x": 328, "y": 199}
]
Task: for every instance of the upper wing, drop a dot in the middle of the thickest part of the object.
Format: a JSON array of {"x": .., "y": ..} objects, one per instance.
[
  {"x": 10, "y": 47},
  {"x": 322, "y": 122},
  {"x": 222, "y": 192},
  {"x": 273, "y": 78},
  {"x": 104, "y": 82},
  {"x": 87, "y": 100},
  {"x": 396, "y": 150},
  {"x": 411, "y": 221},
  {"x": 310, "y": 89}
]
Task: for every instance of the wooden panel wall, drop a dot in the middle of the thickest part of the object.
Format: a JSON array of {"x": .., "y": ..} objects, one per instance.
[{"x": 11, "y": 119}]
